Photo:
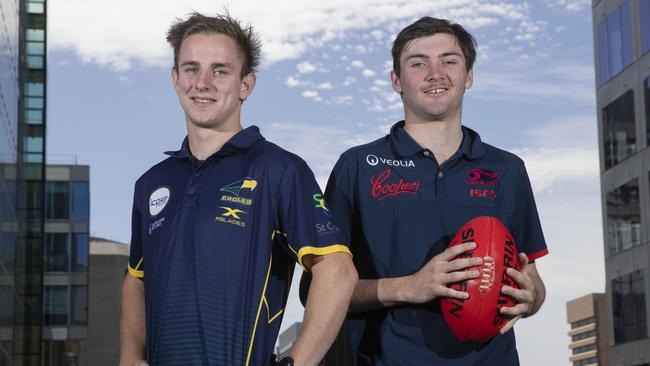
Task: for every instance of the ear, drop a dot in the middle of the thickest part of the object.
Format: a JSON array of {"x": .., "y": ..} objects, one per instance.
[
  {"x": 394, "y": 80},
  {"x": 470, "y": 79},
  {"x": 175, "y": 79},
  {"x": 247, "y": 85}
]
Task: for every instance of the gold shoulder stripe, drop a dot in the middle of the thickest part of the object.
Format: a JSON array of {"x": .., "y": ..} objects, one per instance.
[
  {"x": 322, "y": 251},
  {"x": 135, "y": 273}
]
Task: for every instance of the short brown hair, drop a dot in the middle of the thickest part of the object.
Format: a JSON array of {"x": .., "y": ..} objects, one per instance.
[
  {"x": 428, "y": 26},
  {"x": 247, "y": 41}
]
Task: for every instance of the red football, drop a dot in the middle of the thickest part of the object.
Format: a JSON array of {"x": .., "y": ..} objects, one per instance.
[{"x": 478, "y": 318}]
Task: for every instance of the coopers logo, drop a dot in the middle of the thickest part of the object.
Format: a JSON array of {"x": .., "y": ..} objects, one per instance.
[
  {"x": 158, "y": 200},
  {"x": 373, "y": 160},
  {"x": 380, "y": 190}
]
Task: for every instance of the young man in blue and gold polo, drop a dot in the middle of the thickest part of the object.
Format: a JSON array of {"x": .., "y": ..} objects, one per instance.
[
  {"x": 219, "y": 224},
  {"x": 399, "y": 201}
]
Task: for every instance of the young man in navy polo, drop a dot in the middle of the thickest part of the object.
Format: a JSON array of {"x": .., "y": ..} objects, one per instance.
[
  {"x": 399, "y": 201},
  {"x": 218, "y": 225}
]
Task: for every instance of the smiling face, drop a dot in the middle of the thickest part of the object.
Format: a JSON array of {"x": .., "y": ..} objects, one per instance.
[
  {"x": 208, "y": 82},
  {"x": 433, "y": 79}
]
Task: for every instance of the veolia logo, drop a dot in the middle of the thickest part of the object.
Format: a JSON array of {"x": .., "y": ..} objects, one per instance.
[
  {"x": 372, "y": 160},
  {"x": 158, "y": 200}
]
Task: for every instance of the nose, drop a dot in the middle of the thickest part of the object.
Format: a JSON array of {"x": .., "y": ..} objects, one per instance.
[
  {"x": 204, "y": 80},
  {"x": 435, "y": 71}
]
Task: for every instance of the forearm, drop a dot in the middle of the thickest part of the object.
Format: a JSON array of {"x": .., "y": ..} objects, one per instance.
[
  {"x": 379, "y": 293},
  {"x": 329, "y": 296},
  {"x": 132, "y": 322}
]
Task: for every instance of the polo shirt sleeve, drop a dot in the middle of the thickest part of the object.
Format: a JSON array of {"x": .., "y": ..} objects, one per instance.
[
  {"x": 304, "y": 218},
  {"x": 339, "y": 194},
  {"x": 136, "y": 260},
  {"x": 527, "y": 229}
]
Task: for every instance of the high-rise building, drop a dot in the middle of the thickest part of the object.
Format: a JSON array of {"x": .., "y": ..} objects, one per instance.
[
  {"x": 587, "y": 316},
  {"x": 9, "y": 96},
  {"x": 621, "y": 31},
  {"x": 107, "y": 268}
]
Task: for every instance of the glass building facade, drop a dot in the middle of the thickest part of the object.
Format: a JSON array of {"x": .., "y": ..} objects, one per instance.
[{"x": 621, "y": 30}]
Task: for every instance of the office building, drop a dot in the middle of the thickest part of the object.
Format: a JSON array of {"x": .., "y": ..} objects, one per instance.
[
  {"x": 621, "y": 30},
  {"x": 22, "y": 155},
  {"x": 107, "y": 268},
  {"x": 587, "y": 317}
]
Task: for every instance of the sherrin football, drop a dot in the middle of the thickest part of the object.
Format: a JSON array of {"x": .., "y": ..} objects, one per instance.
[{"x": 478, "y": 318}]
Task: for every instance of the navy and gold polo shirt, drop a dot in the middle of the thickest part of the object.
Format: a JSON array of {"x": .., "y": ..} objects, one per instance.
[
  {"x": 398, "y": 208},
  {"x": 216, "y": 242}
]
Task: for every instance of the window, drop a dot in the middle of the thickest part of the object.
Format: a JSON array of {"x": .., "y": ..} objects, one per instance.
[
  {"x": 56, "y": 252},
  {"x": 585, "y": 335},
  {"x": 582, "y": 322},
  {"x": 7, "y": 250},
  {"x": 79, "y": 305},
  {"x": 623, "y": 218},
  {"x": 586, "y": 361},
  {"x": 614, "y": 42},
  {"x": 586, "y": 348},
  {"x": 57, "y": 196},
  {"x": 6, "y": 306},
  {"x": 80, "y": 201},
  {"x": 619, "y": 137},
  {"x": 628, "y": 307},
  {"x": 56, "y": 305},
  {"x": 644, "y": 6},
  {"x": 79, "y": 252}
]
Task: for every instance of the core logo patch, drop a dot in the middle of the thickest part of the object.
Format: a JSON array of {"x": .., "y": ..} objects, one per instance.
[
  {"x": 236, "y": 187},
  {"x": 482, "y": 176},
  {"x": 158, "y": 200}
]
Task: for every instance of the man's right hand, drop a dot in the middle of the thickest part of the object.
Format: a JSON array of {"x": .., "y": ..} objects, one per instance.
[{"x": 431, "y": 281}]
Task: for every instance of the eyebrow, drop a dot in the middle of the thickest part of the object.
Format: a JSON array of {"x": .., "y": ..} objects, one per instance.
[
  {"x": 421, "y": 55},
  {"x": 213, "y": 65}
]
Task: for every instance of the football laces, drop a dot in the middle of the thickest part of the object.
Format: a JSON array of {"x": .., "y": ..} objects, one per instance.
[{"x": 487, "y": 273}]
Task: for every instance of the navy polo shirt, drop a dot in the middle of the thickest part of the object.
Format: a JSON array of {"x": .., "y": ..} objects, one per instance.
[
  {"x": 398, "y": 208},
  {"x": 216, "y": 242}
]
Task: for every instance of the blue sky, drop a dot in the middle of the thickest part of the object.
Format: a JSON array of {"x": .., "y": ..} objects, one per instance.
[{"x": 324, "y": 87}]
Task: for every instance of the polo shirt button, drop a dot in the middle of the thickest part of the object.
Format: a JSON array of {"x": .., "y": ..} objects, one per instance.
[
  {"x": 440, "y": 174},
  {"x": 192, "y": 190},
  {"x": 426, "y": 153}
]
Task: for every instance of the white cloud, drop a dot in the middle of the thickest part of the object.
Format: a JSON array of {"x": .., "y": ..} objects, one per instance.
[
  {"x": 326, "y": 85},
  {"x": 377, "y": 34},
  {"x": 305, "y": 67},
  {"x": 357, "y": 64},
  {"x": 311, "y": 94},
  {"x": 571, "y": 6},
  {"x": 343, "y": 99},
  {"x": 292, "y": 82},
  {"x": 368, "y": 73},
  {"x": 349, "y": 80},
  {"x": 548, "y": 167},
  {"x": 114, "y": 36}
]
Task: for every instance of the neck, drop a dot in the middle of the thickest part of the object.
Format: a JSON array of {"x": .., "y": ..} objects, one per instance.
[
  {"x": 443, "y": 138},
  {"x": 205, "y": 141}
]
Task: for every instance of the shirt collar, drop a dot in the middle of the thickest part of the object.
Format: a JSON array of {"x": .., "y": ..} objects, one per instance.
[
  {"x": 403, "y": 144},
  {"x": 242, "y": 140}
]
